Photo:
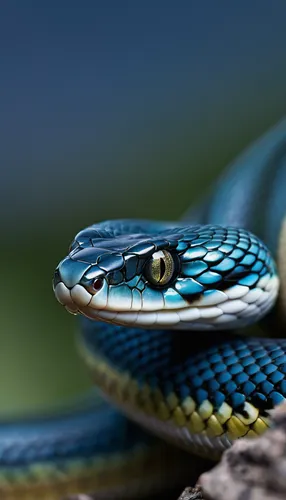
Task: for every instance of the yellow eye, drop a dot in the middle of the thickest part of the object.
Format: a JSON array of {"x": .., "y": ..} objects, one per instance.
[{"x": 159, "y": 270}]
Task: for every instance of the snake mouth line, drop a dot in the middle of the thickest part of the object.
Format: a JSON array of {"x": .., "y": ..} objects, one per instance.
[{"x": 238, "y": 306}]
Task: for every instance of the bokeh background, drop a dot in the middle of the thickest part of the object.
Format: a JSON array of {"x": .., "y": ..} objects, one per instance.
[{"x": 113, "y": 109}]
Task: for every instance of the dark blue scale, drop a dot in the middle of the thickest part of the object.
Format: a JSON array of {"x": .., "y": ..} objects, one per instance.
[
  {"x": 204, "y": 364},
  {"x": 237, "y": 399},
  {"x": 219, "y": 368},
  {"x": 248, "y": 388},
  {"x": 144, "y": 248},
  {"x": 176, "y": 362},
  {"x": 184, "y": 391},
  {"x": 276, "y": 398},
  {"x": 231, "y": 360},
  {"x": 248, "y": 360},
  {"x": 90, "y": 255},
  {"x": 208, "y": 375},
  {"x": 201, "y": 396},
  {"x": 213, "y": 385},
  {"x": 270, "y": 369},
  {"x": 215, "y": 358},
  {"x": 241, "y": 377},
  {"x": 223, "y": 377},
  {"x": 281, "y": 359},
  {"x": 230, "y": 387},
  {"x": 160, "y": 244},
  {"x": 259, "y": 377},
  {"x": 282, "y": 385},
  {"x": 264, "y": 360},
  {"x": 252, "y": 369},
  {"x": 197, "y": 381},
  {"x": 131, "y": 266},
  {"x": 235, "y": 369},
  {"x": 267, "y": 387},
  {"x": 115, "y": 277}
]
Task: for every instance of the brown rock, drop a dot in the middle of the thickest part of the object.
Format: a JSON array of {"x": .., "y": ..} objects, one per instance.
[{"x": 253, "y": 469}]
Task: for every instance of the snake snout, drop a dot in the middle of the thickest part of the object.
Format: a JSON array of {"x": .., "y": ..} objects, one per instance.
[{"x": 66, "y": 284}]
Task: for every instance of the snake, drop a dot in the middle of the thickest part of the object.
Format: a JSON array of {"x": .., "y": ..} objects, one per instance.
[{"x": 181, "y": 326}]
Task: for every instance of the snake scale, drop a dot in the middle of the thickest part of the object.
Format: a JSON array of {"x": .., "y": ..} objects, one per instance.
[{"x": 165, "y": 313}]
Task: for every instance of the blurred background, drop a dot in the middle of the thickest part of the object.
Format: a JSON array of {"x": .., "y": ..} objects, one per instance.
[{"x": 113, "y": 109}]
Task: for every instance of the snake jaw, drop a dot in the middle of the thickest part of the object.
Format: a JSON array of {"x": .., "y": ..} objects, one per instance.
[
  {"x": 232, "y": 313},
  {"x": 221, "y": 278},
  {"x": 236, "y": 308}
]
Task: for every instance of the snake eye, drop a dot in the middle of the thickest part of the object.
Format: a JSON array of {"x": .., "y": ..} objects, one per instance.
[{"x": 160, "y": 268}]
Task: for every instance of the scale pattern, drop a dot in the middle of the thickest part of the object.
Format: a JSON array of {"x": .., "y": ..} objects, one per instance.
[
  {"x": 225, "y": 277},
  {"x": 186, "y": 391},
  {"x": 91, "y": 449},
  {"x": 223, "y": 390}
]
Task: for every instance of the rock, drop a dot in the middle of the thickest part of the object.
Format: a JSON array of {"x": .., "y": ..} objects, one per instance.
[
  {"x": 253, "y": 469},
  {"x": 192, "y": 494}
]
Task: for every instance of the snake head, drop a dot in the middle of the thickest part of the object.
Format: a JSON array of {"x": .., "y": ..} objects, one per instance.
[{"x": 157, "y": 275}]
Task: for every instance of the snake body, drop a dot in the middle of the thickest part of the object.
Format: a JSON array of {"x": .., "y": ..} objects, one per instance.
[
  {"x": 86, "y": 448},
  {"x": 154, "y": 283},
  {"x": 145, "y": 290}
]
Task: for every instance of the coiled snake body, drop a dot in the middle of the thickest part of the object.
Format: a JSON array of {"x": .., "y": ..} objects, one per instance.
[{"x": 157, "y": 302}]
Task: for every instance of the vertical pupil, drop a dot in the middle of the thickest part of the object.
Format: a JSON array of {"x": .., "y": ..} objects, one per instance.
[{"x": 162, "y": 268}]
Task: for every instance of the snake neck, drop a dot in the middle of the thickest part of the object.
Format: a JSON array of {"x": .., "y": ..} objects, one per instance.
[{"x": 251, "y": 194}]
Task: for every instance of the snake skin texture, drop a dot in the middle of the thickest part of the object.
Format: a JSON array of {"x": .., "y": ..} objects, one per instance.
[
  {"x": 90, "y": 449},
  {"x": 197, "y": 389},
  {"x": 226, "y": 276},
  {"x": 201, "y": 398}
]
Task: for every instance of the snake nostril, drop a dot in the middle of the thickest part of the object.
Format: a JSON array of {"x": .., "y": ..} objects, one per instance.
[{"x": 97, "y": 284}]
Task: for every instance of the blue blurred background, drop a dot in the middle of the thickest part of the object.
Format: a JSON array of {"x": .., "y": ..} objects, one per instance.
[{"x": 113, "y": 109}]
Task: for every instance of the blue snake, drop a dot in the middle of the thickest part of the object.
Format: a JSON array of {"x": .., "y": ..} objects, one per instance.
[{"x": 165, "y": 312}]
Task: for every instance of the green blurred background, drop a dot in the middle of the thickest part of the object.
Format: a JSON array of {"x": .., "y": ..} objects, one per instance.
[{"x": 108, "y": 110}]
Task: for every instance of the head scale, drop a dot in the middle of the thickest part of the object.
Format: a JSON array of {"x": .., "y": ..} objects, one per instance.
[{"x": 160, "y": 276}]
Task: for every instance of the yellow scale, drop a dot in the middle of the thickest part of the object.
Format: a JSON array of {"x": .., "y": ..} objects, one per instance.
[{"x": 197, "y": 419}]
